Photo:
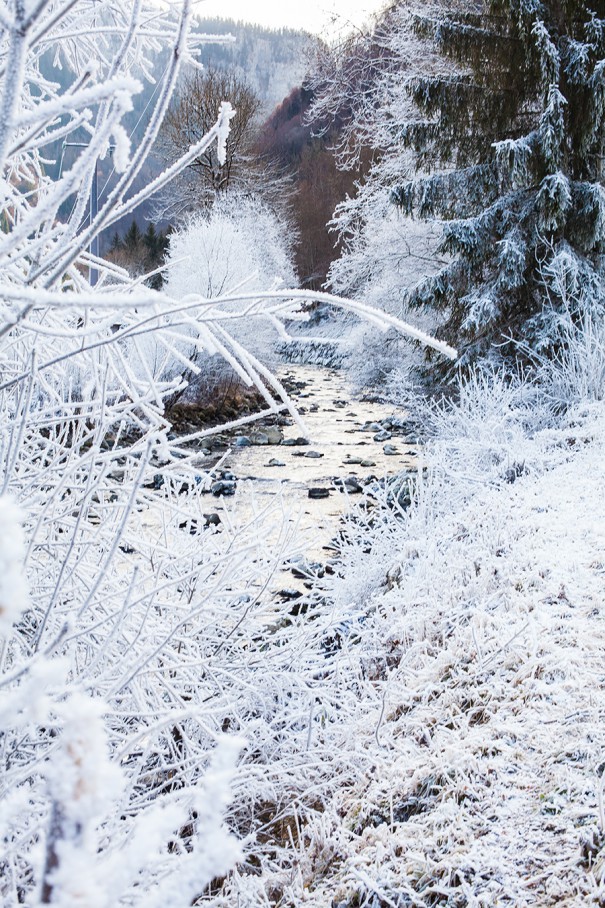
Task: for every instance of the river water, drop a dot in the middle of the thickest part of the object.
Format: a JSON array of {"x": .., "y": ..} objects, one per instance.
[{"x": 341, "y": 432}]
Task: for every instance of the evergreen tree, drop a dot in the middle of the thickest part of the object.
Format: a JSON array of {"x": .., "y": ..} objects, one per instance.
[
  {"x": 155, "y": 244},
  {"x": 510, "y": 151},
  {"x": 116, "y": 242},
  {"x": 133, "y": 238},
  {"x": 152, "y": 240}
]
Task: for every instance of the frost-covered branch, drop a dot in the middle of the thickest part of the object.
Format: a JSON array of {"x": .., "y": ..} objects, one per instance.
[{"x": 138, "y": 644}]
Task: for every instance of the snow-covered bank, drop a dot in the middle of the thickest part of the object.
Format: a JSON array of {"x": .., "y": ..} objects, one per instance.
[{"x": 469, "y": 677}]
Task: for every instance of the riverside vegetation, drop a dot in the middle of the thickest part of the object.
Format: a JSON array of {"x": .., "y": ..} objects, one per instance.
[{"x": 421, "y": 724}]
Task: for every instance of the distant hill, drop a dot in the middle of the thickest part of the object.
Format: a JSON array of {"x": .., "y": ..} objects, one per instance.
[{"x": 273, "y": 61}]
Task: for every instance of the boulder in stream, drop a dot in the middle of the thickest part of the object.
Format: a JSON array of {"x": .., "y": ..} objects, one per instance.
[
  {"x": 319, "y": 493},
  {"x": 290, "y": 594},
  {"x": 292, "y": 442},
  {"x": 274, "y": 434},
  {"x": 350, "y": 484},
  {"x": 308, "y": 569},
  {"x": 223, "y": 487}
]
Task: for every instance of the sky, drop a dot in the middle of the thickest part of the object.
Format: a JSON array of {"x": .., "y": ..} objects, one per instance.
[{"x": 323, "y": 17}]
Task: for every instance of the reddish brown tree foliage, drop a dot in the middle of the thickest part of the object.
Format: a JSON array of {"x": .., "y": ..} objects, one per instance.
[{"x": 303, "y": 151}]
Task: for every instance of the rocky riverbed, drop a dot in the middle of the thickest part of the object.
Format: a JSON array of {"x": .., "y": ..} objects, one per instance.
[{"x": 350, "y": 450}]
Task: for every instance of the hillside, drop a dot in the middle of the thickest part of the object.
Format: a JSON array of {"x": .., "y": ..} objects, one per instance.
[{"x": 272, "y": 61}]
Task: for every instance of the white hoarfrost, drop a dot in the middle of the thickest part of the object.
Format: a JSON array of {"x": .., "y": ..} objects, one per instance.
[
  {"x": 463, "y": 701},
  {"x": 424, "y": 729},
  {"x": 13, "y": 588},
  {"x": 148, "y": 655}
]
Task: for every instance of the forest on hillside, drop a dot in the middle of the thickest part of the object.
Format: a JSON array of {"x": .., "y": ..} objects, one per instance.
[{"x": 403, "y": 247}]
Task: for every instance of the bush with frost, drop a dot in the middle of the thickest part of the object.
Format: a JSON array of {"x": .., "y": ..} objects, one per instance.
[
  {"x": 140, "y": 651},
  {"x": 236, "y": 246}
]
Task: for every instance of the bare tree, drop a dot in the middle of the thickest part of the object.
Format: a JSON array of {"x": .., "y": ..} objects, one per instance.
[{"x": 192, "y": 113}]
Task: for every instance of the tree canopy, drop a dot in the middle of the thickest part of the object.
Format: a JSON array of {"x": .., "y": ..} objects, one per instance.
[{"x": 509, "y": 149}]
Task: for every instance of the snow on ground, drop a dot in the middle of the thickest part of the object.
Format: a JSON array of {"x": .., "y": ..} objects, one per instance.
[{"x": 481, "y": 689}]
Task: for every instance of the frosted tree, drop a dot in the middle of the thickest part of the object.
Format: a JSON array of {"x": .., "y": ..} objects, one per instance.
[
  {"x": 512, "y": 142},
  {"x": 237, "y": 244},
  {"x": 135, "y": 638},
  {"x": 485, "y": 122},
  {"x": 360, "y": 86},
  {"x": 190, "y": 115}
]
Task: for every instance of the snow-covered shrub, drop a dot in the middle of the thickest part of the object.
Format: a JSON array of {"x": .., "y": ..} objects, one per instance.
[
  {"x": 114, "y": 779},
  {"x": 482, "y": 433},
  {"x": 572, "y": 370},
  {"x": 575, "y": 372},
  {"x": 237, "y": 247},
  {"x": 147, "y": 646}
]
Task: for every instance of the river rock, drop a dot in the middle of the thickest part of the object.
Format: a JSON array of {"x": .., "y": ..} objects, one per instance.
[
  {"x": 313, "y": 454},
  {"x": 290, "y": 594},
  {"x": 349, "y": 484},
  {"x": 367, "y": 463},
  {"x": 190, "y": 524},
  {"x": 390, "y": 450},
  {"x": 223, "y": 487},
  {"x": 242, "y": 441},
  {"x": 274, "y": 462},
  {"x": 274, "y": 434},
  {"x": 259, "y": 438},
  {"x": 317, "y": 493},
  {"x": 291, "y": 442},
  {"x": 212, "y": 520},
  {"x": 353, "y": 461},
  {"x": 382, "y": 436},
  {"x": 306, "y": 569}
]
